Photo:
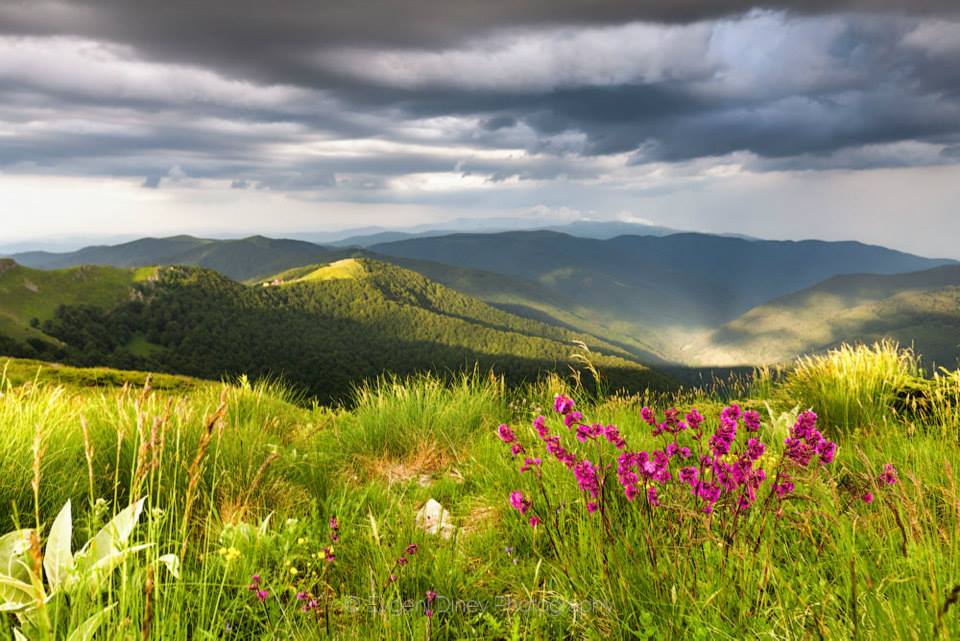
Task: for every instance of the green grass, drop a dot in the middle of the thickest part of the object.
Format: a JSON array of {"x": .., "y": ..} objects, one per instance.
[
  {"x": 277, "y": 466},
  {"x": 27, "y": 294}
]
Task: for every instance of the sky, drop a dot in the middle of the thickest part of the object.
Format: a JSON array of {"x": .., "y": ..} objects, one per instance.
[{"x": 791, "y": 119}]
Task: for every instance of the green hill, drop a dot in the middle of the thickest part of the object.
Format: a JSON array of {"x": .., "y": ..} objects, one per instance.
[
  {"x": 325, "y": 328},
  {"x": 241, "y": 259},
  {"x": 659, "y": 289},
  {"x": 920, "y": 309},
  {"x": 28, "y": 297}
]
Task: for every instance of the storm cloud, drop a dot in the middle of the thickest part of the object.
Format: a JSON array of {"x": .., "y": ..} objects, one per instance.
[{"x": 446, "y": 104}]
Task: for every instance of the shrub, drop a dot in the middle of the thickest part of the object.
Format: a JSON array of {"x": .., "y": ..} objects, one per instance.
[{"x": 853, "y": 385}]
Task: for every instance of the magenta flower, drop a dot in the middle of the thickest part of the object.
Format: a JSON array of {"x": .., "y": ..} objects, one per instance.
[
  {"x": 652, "y": 497},
  {"x": 506, "y": 434},
  {"x": 519, "y": 503},
  {"x": 431, "y": 596},
  {"x": 530, "y": 464},
  {"x": 262, "y": 595},
  {"x": 562, "y": 404},
  {"x": 867, "y": 498},
  {"x": 648, "y": 416},
  {"x": 889, "y": 475},
  {"x": 751, "y": 420},
  {"x": 534, "y": 521},
  {"x": 411, "y": 549}
]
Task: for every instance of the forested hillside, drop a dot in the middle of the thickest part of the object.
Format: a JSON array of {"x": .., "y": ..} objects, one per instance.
[{"x": 322, "y": 334}]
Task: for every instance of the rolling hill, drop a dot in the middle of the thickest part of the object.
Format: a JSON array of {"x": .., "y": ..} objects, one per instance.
[
  {"x": 919, "y": 308},
  {"x": 323, "y": 327},
  {"x": 659, "y": 289},
  {"x": 241, "y": 259},
  {"x": 29, "y": 297}
]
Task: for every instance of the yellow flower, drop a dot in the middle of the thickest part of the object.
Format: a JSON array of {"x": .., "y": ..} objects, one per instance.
[
  {"x": 302, "y": 540},
  {"x": 229, "y": 554},
  {"x": 293, "y": 571}
]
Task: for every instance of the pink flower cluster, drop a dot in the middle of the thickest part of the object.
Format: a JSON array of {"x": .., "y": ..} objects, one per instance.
[{"x": 725, "y": 471}]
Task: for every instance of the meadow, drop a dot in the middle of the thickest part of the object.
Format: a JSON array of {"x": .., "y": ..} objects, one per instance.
[{"x": 817, "y": 502}]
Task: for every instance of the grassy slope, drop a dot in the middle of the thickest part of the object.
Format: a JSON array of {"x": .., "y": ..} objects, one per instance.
[
  {"x": 26, "y": 293},
  {"x": 920, "y": 308},
  {"x": 832, "y": 567},
  {"x": 325, "y": 328}
]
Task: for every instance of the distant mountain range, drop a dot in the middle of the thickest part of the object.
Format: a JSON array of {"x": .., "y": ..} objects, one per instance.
[
  {"x": 658, "y": 298},
  {"x": 921, "y": 309}
]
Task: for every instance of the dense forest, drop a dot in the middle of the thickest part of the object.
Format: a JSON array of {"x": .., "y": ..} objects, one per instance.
[{"x": 323, "y": 335}]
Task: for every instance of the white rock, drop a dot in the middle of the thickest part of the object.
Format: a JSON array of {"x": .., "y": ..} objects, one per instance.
[{"x": 433, "y": 518}]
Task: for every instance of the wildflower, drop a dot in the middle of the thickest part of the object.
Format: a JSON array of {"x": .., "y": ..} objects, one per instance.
[
  {"x": 294, "y": 571},
  {"x": 254, "y": 583},
  {"x": 328, "y": 555},
  {"x": 428, "y": 613},
  {"x": 889, "y": 475},
  {"x": 562, "y": 404},
  {"x": 262, "y": 595},
  {"x": 431, "y": 596},
  {"x": 648, "y": 416},
  {"x": 302, "y": 540},
  {"x": 530, "y": 463},
  {"x": 571, "y": 418},
  {"x": 229, "y": 554},
  {"x": 392, "y": 578},
  {"x": 519, "y": 503},
  {"x": 402, "y": 560},
  {"x": 689, "y": 475},
  {"x": 534, "y": 521},
  {"x": 411, "y": 549},
  {"x": 652, "y": 496},
  {"x": 516, "y": 449},
  {"x": 694, "y": 419},
  {"x": 826, "y": 450},
  {"x": 334, "y": 530},
  {"x": 783, "y": 489},
  {"x": 587, "y": 479},
  {"x": 867, "y": 498},
  {"x": 755, "y": 449},
  {"x": 506, "y": 434},
  {"x": 540, "y": 425},
  {"x": 751, "y": 420}
]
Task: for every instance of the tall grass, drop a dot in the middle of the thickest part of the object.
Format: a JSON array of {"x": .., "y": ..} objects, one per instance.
[
  {"x": 853, "y": 385},
  {"x": 268, "y": 470}
]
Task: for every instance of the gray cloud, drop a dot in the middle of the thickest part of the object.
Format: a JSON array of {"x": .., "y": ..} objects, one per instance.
[{"x": 348, "y": 99}]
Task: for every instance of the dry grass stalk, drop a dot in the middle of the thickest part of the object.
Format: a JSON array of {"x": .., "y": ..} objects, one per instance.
[
  {"x": 147, "y": 605},
  {"x": 193, "y": 476},
  {"x": 88, "y": 454}
]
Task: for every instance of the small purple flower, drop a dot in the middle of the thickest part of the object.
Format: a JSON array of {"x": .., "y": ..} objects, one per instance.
[
  {"x": 562, "y": 404},
  {"x": 519, "y": 503},
  {"x": 431, "y": 596},
  {"x": 506, "y": 434},
  {"x": 652, "y": 497},
  {"x": 648, "y": 416},
  {"x": 411, "y": 549},
  {"x": 889, "y": 475},
  {"x": 751, "y": 420},
  {"x": 262, "y": 595},
  {"x": 867, "y": 498},
  {"x": 534, "y": 521}
]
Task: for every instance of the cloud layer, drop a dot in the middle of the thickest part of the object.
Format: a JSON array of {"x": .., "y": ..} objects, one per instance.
[{"x": 448, "y": 105}]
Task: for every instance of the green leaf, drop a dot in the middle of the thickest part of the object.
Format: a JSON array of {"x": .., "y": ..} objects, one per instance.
[
  {"x": 16, "y": 589},
  {"x": 114, "y": 534},
  {"x": 13, "y": 554},
  {"x": 88, "y": 628},
  {"x": 94, "y": 576},
  {"x": 172, "y": 561},
  {"x": 58, "y": 560},
  {"x": 14, "y": 594},
  {"x": 18, "y": 635}
]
